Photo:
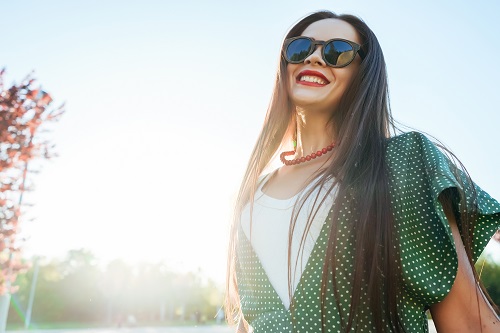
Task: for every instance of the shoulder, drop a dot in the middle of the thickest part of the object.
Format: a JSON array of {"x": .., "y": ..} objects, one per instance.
[
  {"x": 409, "y": 143},
  {"x": 415, "y": 151},
  {"x": 418, "y": 173},
  {"x": 407, "y": 137}
]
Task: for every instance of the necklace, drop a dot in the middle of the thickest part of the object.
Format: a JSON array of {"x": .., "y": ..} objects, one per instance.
[{"x": 304, "y": 158}]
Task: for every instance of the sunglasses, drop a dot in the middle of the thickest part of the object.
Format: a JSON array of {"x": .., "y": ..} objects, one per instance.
[{"x": 336, "y": 52}]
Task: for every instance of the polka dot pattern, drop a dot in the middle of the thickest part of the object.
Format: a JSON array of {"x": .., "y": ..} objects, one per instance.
[{"x": 419, "y": 172}]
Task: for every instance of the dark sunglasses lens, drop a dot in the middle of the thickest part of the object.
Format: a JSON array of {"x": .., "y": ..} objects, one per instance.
[
  {"x": 339, "y": 53},
  {"x": 298, "y": 50}
]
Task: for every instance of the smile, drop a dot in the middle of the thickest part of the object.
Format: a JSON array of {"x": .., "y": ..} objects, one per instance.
[{"x": 312, "y": 78}]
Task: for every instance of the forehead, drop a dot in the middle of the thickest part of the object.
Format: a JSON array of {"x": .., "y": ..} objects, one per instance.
[{"x": 331, "y": 28}]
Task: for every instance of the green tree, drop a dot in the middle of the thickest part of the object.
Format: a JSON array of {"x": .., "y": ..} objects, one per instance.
[
  {"x": 489, "y": 271},
  {"x": 49, "y": 305},
  {"x": 83, "y": 300},
  {"x": 77, "y": 289}
]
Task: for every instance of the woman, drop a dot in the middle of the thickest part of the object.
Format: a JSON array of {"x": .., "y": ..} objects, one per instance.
[{"x": 357, "y": 231}]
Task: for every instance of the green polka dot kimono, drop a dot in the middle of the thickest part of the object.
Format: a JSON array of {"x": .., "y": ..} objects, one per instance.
[{"x": 419, "y": 172}]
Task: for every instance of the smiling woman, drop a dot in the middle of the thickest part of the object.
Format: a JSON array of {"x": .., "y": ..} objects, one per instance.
[
  {"x": 165, "y": 100},
  {"x": 363, "y": 228},
  {"x": 333, "y": 78}
]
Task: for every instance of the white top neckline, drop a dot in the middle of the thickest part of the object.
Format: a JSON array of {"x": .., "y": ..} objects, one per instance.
[{"x": 270, "y": 230}]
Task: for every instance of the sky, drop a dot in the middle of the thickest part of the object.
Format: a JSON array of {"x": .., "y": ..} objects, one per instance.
[{"x": 164, "y": 102}]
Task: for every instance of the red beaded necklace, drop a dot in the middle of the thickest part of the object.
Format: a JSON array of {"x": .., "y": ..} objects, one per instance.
[{"x": 304, "y": 158}]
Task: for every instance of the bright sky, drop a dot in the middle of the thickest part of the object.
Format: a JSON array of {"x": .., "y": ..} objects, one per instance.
[{"x": 165, "y": 100}]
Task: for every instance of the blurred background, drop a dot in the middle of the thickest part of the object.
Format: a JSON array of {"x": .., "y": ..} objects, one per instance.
[{"x": 164, "y": 101}]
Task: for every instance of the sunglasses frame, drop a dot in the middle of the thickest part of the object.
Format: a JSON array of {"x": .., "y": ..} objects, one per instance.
[{"x": 356, "y": 48}]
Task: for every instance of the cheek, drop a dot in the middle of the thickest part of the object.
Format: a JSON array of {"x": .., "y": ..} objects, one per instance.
[
  {"x": 290, "y": 68},
  {"x": 346, "y": 77},
  {"x": 351, "y": 71}
]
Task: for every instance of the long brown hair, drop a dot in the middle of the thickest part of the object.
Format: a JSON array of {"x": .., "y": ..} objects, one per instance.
[{"x": 363, "y": 122}]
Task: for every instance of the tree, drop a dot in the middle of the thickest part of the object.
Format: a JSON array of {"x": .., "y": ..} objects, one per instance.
[
  {"x": 24, "y": 110},
  {"x": 489, "y": 272},
  {"x": 80, "y": 290}
]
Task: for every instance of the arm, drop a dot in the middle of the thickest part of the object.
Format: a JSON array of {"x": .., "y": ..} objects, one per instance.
[{"x": 465, "y": 309}]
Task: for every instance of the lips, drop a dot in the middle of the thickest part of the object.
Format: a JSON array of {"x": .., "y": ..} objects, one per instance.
[{"x": 312, "y": 78}]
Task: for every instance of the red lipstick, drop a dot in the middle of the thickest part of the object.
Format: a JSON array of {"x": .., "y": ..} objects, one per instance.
[{"x": 312, "y": 73}]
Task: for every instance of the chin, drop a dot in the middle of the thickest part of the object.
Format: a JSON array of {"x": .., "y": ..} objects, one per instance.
[{"x": 314, "y": 102}]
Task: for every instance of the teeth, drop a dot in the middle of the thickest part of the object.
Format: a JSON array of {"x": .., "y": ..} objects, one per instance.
[{"x": 314, "y": 79}]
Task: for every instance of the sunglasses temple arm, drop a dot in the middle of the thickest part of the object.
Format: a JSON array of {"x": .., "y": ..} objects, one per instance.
[{"x": 361, "y": 54}]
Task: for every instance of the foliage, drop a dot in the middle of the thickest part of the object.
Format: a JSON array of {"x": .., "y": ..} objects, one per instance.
[
  {"x": 77, "y": 289},
  {"x": 489, "y": 271},
  {"x": 23, "y": 112}
]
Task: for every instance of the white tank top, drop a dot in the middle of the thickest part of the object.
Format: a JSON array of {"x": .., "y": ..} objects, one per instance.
[{"x": 270, "y": 227}]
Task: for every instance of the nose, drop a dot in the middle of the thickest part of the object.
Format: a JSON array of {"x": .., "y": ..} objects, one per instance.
[{"x": 315, "y": 58}]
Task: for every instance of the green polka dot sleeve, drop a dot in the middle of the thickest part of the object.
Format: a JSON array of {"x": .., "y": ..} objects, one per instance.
[{"x": 419, "y": 173}]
